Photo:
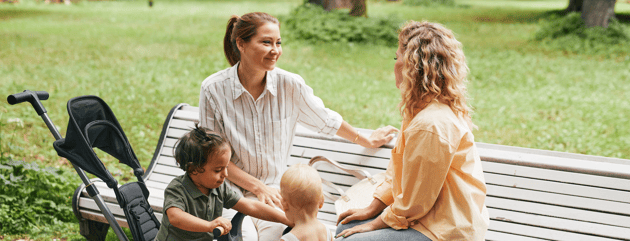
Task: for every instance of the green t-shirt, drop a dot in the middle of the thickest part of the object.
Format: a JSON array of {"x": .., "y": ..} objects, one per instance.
[{"x": 183, "y": 194}]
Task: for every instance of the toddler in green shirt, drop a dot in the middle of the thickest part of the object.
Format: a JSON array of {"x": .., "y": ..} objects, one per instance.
[{"x": 194, "y": 202}]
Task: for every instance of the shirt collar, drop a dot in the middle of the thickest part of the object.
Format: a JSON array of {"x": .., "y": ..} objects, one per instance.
[
  {"x": 238, "y": 89},
  {"x": 193, "y": 190}
]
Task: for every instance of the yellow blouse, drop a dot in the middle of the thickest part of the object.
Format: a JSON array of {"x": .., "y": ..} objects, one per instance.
[{"x": 434, "y": 182}]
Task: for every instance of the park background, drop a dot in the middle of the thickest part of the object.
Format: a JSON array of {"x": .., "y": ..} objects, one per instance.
[{"x": 529, "y": 86}]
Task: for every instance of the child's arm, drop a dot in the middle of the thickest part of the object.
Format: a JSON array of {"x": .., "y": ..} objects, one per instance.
[
  {"x": 186, "y": 221},
  {"x": 262, "y": 211}
]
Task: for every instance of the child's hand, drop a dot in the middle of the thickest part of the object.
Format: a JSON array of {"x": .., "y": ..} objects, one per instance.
[{"x": 222, "y": 223}]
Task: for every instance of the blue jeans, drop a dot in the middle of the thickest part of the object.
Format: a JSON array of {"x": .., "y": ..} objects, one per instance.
[{"x": 381, "y": 234}]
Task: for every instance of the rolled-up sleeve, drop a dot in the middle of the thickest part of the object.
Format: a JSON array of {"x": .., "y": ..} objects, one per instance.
[
  {"x": 313, "y": 114},
  {"x": 421, "y": 171}
]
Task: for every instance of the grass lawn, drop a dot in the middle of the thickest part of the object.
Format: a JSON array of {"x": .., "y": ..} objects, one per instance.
[{"x": 142, "y": 61}]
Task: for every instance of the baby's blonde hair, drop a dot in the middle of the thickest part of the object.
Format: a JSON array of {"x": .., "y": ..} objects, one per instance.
[{"x": 301, "y": 187}]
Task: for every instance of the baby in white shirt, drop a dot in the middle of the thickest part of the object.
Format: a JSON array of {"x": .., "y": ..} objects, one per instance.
[{"x": 301, "y": 190}]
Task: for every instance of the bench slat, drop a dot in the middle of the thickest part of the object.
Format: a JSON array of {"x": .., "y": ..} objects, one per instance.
[
  {"x": 560, "y": 200},
  {"x": 560, "y": 224},
  {"x": 170, "y": 142},
  {"x": 189, "y": 115},
  {"x": 543, "y": 233},
  {"x": 558, "y": 187},
  {"x": 493, "y": 235},
  {"x": 558, "y": 211},
  {"x": 99, "y": 217},
  {"x": 567, "y": 162},
  {"x": 167, "y": 161},
  {"x": 554, "y": 175},
  {"x": 191, "y": 109},
  {"x": 157, "y": 177},
  {"x": 90, "y": 208},
  {"x": 182, "y": 124}
]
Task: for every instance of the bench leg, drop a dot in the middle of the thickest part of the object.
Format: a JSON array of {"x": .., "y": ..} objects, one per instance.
[{"x": 93, "y": 230}]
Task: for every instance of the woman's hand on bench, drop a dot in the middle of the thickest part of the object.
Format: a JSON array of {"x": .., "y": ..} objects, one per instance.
[{"x": 380, "y": 137}]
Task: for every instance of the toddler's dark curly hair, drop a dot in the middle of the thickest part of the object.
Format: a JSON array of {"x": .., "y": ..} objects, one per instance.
[{"x": 195, "y": 147}]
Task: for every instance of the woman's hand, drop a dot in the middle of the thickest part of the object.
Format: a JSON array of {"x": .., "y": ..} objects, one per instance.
[
  {"x": 375, "y": 208},
  {"x": 375, "y": 224},
  {"x": 380, "y": 136},
  {"x": 355, "y": 214},
  {"x": 268, "y": 195}
]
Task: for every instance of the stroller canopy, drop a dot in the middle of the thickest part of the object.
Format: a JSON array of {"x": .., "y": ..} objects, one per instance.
[{"x": 92, "y": 124}]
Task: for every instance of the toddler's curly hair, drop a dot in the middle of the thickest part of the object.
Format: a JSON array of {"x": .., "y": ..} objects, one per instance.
[{"x": 195, "y": 147}]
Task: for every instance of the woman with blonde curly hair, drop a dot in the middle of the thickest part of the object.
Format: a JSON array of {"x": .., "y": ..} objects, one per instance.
[{"x": 435, "y": 188}]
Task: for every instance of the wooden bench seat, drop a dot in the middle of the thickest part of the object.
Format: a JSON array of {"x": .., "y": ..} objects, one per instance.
[{"x": 532, "y": 194}]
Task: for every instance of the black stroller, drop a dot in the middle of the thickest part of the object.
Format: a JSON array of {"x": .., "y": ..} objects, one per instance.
[{"x": 92, "y": 124}]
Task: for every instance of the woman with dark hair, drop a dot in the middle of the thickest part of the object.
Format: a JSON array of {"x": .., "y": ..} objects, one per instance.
[
  {"x": 256, "y": 107},
  {"x": 435, "y": 189}
]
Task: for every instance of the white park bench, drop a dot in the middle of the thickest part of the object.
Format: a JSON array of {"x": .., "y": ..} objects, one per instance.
[{"x": 532, "y": 194}]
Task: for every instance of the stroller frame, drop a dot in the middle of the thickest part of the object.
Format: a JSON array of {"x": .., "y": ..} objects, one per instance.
[
  {"x": 35, "y": 98},
  {"x": 102, "y": 130}
]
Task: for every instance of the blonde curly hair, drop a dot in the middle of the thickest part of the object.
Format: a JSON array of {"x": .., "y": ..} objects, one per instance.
[{"x": 434, "y": 68}]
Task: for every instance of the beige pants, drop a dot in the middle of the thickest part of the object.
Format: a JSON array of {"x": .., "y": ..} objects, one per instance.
[{"x": 254, "y": 229}]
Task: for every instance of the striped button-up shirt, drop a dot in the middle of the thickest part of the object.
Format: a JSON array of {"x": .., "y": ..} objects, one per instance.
[{"x": 261, "y": 131}]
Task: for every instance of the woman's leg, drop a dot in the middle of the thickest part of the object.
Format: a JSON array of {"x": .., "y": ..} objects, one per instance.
[{"x": 381, "y": 234}]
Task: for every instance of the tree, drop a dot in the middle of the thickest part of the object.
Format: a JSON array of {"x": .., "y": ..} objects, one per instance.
[
  {"x": 594, "y": 12},
  {"x": 331, "y": 4},
  {"x": 574, "y": 6},
  {"x": 357, "y": 7},
  {"x": 598, "y": 12}
]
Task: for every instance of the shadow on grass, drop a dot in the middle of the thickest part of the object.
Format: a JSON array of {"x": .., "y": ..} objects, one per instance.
[
  {"x": 6, "y": 14},
  {"x": 511, "y": 15},
  {"x": 622, "y": 17},
  {"x": 525, "y": 16}
]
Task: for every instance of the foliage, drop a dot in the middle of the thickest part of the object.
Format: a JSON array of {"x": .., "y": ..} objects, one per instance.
[
  {"x": 34, "y": 198},
  {"x": 569, "y": 33},
  {"x": 429, "y": 3},
  {"x": 314, "y": 24}
]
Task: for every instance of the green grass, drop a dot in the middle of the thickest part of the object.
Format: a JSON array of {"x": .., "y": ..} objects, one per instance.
[{"x": 143, "y": 61}]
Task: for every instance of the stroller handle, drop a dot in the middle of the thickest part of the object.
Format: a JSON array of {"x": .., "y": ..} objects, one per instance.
[
  {"x": 33, "y": 97},
  {"x": 217, "y": 232}
]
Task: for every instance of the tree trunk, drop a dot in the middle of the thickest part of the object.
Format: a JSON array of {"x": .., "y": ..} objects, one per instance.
[
  {"x": 359, "y": 8},
  {"x": 331, "y": 4},
  {"x": 574, "y": 6},
  {"x": 598, "y": 12}
]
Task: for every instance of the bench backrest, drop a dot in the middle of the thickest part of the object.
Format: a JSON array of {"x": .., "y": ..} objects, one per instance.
[{"x": 532, "y": 194}]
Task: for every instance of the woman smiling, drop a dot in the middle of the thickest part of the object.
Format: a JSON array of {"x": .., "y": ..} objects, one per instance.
[{"x": 256, "y": 107}]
